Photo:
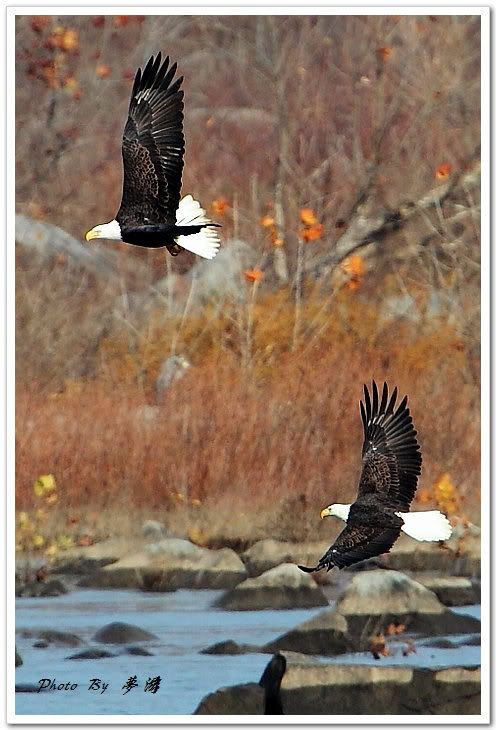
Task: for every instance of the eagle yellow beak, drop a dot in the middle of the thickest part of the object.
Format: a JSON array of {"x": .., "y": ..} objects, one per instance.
[
  {"x": 325, "y": 513},
  {"x": 91, "y": 234}
]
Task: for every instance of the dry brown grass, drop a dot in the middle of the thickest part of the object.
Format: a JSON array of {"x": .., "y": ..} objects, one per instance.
[{"x": 237, "y": 452}]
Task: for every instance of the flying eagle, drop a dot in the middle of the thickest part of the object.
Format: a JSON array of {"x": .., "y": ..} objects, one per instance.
[
  {"x": 151, "y": 213},
  {"x": 391, "y": 462}
]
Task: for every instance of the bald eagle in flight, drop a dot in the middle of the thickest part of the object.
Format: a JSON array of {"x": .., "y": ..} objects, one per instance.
[
  {"x": 151, "y": 213},
  {"x": 391, "y": 462}
]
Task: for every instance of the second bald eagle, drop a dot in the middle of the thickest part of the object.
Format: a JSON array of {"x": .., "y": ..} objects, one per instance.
[
  {"x": 151, "y": 213},
  {"x": 391, "y": 462}
]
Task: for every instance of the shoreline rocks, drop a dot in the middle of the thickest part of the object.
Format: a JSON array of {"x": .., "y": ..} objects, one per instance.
[
  {"x": 51, "y": 636},
  {"x": 452, "y": 590},
  {"x": 325, "y": 634},
  {"x": 230, "y": 648},
  {"x": 317, "y": 689},
  {"x": 169, "y": 564},
  {"x": 282, "y": 587},
  {"x": 122, "y": 633},
  {"x": 373, "y": 600},
  {"x": 267, "y": 554}
]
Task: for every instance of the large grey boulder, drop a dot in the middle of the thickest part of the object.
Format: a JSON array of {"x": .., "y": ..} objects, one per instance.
[
  {"x": 153, "y": 530},
  {"x": 451, "y": 590},
  {"x": 49, "y": 240},
  {"x": 169, "y": 564},
  {"x": 375, "y": 599},
  {"x": 266, "y": 554},
  {"x": 328, "y": 689},
  {"x": 118, "y": 632},
  {"x": 41, "y": 589},
  {"x": 325, "y": 634},
  {"x": 91, "y": 654},
  {"x": 243, "y": 699},
  {"x": 282, "y": 587},
  {"x": 230, "y": 648},
  {"x": 84, "y": 560},
  {"x": 57, "y": 638}
]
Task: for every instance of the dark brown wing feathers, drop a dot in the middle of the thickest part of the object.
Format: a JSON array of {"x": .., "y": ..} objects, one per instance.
[
  {"x": 153, "y": 147},
  {"x": 356, "y": 543},
  {"x": 391, "y": 454}
]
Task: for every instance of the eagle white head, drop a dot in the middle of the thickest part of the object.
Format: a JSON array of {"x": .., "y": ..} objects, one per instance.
[
  {"x": 336, "y": 510},
  {"x": 111, "y": 231}
]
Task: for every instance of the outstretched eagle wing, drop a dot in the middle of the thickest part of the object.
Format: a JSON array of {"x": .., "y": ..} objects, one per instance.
[
  {"x": 391, "y": 458},
  {"x": 356, "y": 543},
  {"x": 153, "y": 147}
]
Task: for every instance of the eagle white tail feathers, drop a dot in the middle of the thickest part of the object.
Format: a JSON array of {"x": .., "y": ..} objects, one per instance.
[
  {"x": 205, "y": 243},
  {"x": 432, "y": 526}
]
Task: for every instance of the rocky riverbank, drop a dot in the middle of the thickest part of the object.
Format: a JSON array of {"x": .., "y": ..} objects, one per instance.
[
  {"x": 308, "y": 688},
  {"x": 375, "y": 610}
]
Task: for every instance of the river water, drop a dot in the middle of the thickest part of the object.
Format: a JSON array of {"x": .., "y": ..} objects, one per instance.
[{"x": 185, "y": 623}]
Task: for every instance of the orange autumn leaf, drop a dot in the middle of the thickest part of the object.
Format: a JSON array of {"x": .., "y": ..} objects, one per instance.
[
  {"x": 424, "y": 496},
  {"x": 253, "y": 275},
  {"x": 66, "y": 39},
  {"x": 275, "y": 238},
  {"x": 266, "y": 221},
  {"x": 198, "y": 536},
  {"x": 446, "y": 495},
  {"x": 395, "y": 629},
  {"x": 50, "y": 76},
  {"x": 384, "y": 53},
  {"x": 353, "y": 265},
  {"x": 307, "y": 216},
  {"x": 443, "y": 171},
  {"x": 354, "y": 283},
  {"x": 444, "y": 487},
  {"x": 103, "y": 71},
  {"x": 313, "y": 232},
  {"x": 378, "y": 646},
  {"x": 121, "y": 20},
  {"x": 220, "y": 205}
]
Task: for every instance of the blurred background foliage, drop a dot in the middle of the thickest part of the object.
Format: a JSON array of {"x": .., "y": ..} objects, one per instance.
[{"x": 341, "y": 155}]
